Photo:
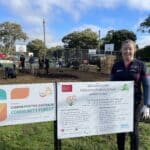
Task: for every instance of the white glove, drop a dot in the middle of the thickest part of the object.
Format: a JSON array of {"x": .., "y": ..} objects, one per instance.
[{"x": 145, "y": 112}]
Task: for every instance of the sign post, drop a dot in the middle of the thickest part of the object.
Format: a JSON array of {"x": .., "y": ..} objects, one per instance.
[{"x": 57, "y": 142}]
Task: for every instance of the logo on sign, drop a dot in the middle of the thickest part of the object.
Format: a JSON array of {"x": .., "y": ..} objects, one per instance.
[
  {"x": 71, "y": 99},
  {"x": 125, "y": 87},
  {"x": 66, "y": 88},
  {"x": 45, "y": 91}
]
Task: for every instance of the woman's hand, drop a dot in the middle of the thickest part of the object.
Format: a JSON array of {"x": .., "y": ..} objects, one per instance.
[{"x": 145, "y": 112}]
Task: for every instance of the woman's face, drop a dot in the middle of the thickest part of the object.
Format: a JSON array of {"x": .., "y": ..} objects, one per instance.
[{"x": 128, "y": 51}]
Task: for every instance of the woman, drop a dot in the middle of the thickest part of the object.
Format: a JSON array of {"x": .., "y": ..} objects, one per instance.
[{"x": 131, "y": 69}]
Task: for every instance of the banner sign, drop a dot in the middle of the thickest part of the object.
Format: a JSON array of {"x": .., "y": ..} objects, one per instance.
[
  {"x": 94, "y": 108},
  {"x": 92, "y": 51},
  {"x": 109, "y": 47},
  {"x": 30, "y": 54},
  {"x": 21, "y": 48},
  {"x": 27, "y": 103}
]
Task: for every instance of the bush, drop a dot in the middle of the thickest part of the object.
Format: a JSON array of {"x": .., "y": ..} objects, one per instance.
[{"x": 144, "y": 53}]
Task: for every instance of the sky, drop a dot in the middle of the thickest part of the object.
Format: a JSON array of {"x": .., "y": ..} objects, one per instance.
[{"x": 66, "y": 16}]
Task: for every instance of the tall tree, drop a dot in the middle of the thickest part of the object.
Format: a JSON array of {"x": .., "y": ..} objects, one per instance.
[
  {"x": 9, "y": 33},
  {"x": 76, "y": 42},
  {"x": 37, "y": 47},
  {"x": 85, "y": 39},
  {"x": 145, "y": 25}
]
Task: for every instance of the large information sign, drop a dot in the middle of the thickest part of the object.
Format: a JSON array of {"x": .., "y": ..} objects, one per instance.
[
  {"x": 27, "y": 103},
  {"x": 94, "y": 108}
]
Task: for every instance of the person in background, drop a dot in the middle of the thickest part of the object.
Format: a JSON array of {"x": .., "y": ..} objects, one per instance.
[
  {"x": 14, "y": 63},
  {"x": 31, "y": 62},
  {"x": 47, "y": 65},
  {"x": 22, "y": 62},
  {"x": 41, "y": 62},
  {"x": 60, "y": 63},
  {"x": 131, "y": 69}
]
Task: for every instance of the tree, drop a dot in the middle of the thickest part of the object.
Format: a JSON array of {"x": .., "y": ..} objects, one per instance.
[
  {"x": 9, "y": 33},
  {"x": 117, "y": 37},
  {"x": 37, "y": 47},
  {"x": 56, "y": 52},
  {"x": 145, "y": 25},
  {"x": 76, "y": 42},
  {"x": 86, "y": 39},
  {"x": 144, "y": 53}
]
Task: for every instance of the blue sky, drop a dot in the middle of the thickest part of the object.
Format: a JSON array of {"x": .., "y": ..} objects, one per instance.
[{"x": 65, "y": 16}]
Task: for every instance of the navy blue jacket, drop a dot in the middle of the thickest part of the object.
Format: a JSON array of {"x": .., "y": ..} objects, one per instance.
[{"x": 135, "y": 71}]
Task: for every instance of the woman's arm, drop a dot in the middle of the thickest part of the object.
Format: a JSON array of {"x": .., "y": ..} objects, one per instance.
[
  {"x": 146, "y": 89},
  {"x": 145, "y": 111}
]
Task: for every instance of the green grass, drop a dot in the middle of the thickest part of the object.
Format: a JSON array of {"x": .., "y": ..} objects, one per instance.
[
  {"x": 40, "y": 136},
  {"x": 148, "y": 66}
]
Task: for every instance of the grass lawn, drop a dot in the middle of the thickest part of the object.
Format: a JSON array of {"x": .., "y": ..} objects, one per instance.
[
  {"x": 148, "y": 67},
  {"x": 40, "y": 136}
]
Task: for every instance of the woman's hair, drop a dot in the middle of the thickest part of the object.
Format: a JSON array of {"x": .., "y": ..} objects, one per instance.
[{"x": 129, "y": 41}]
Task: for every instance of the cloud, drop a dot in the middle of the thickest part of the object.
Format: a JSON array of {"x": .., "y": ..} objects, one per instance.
[
  {"x": 138, "y": 4},
  {"x": 52, "y": 9},
  {"x": 37, "y": 33},
  {"x": 25, "y": 10},
  {"x": 136, "y": 26},
  {"x": 103, "y": 31},
  {"x": 55, "y": 43},
  {"x": 28, "y": 9},
  {"x": 32, "y": 13}
]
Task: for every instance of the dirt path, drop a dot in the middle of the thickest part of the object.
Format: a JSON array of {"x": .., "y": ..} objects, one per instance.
[{"x": 56, "y": 76}]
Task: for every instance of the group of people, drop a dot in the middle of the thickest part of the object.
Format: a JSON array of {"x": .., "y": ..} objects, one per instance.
[
  {"x": 22, "y": 63},
  {"x": 43, "y": 63}
]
